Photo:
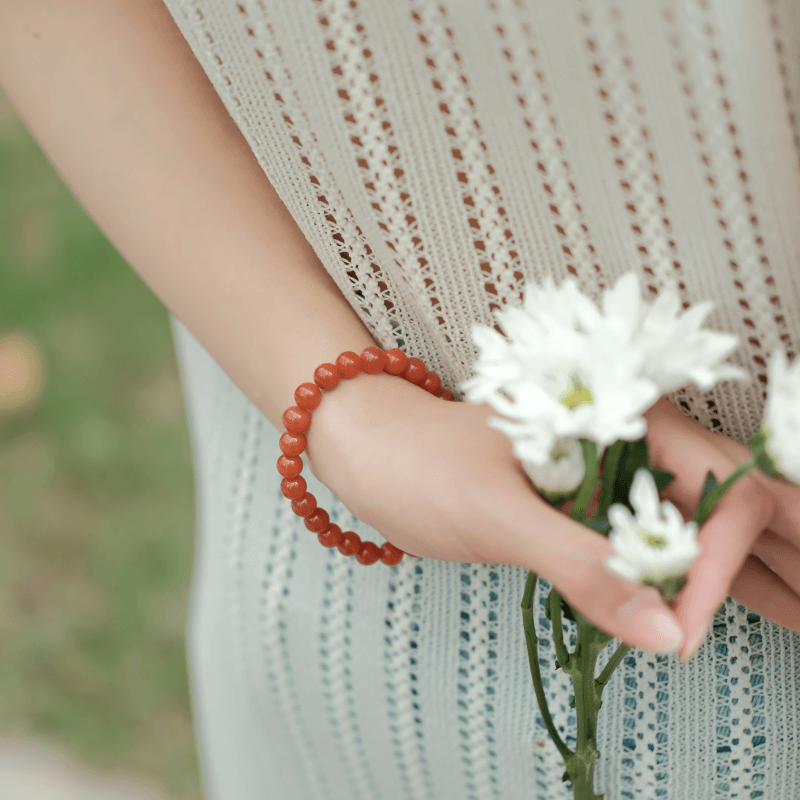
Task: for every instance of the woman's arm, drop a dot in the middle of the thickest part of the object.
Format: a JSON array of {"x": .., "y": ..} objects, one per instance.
[{"x": 117, "y": 100}]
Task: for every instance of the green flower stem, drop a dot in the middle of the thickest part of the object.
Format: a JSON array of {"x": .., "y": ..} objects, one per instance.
[
  {"x": 612, "y": 664},
  {"x": 610, "y": 468},
  {"x": 562, "y": 654},
  {"x": 579, "y": 665},
  {"x": 713, "y": 497},
  {"x": 583, "y": 780},
  {"x": 582, "y": 662},
  {"x": 533, "y": 658},
  {"x": 585, "y": 698},
  {"x": 592, "y": 461},
  {"x": 587, "y": 706}
]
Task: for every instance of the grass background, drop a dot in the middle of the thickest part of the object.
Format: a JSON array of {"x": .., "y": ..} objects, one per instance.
[{"x": 96, "y": 494}]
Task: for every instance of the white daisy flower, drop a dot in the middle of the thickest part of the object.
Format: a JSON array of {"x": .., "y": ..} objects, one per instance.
[
  {"x": 781, "y": 421},
  {"x": 671, "y": 347},
  {"x": 655, "y": 544},
  {"x": 562, "y": 473},
  {"x": 567, "y": 370},
  {"x": 552, "y": 381}
]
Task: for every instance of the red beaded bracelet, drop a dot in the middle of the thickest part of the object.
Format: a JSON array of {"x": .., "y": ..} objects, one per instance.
[{"x": 297, "y": 420}]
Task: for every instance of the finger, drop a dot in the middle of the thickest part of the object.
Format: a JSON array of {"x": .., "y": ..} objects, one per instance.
[
  {"x": 689, "y": 451},
  {"x": 761, "y": 590},
  {"x": 776, "y": 549},
  {"x": 781, "y": 556},
  {"x": 786, "y": 520},
  {"x": 572, "y": 558},
  {"x": 725, "y": 540},
  {"x": 786, "y": 512}
]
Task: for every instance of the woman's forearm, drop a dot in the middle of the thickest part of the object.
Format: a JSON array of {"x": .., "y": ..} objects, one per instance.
[{"x": 116, "y": 99}]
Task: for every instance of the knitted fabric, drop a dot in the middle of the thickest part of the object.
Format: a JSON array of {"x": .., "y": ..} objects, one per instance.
[{"x": 440, "y": 157}]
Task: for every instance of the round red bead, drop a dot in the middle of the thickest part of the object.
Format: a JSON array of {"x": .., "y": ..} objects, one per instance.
[
  {"x": 350, "y": 544},
  {"x": 396, "y": 361},
  {"x": 296, "y": 419},
  {"x": 331, "y": 536},
  {"x": 304, "y": 505},
  {"x": 374, "y": 360},
  {"x": 432, "y": 383},
  {"x": 292, "y": 444},
  {"x": 290, "y": 466},
  {"x": 390, "y": 555},
  {"x": 292, "y": 488},
  {"x": 368, "y": 554},
  {"x": 308, "y": 396},
  {"x": 445, "y": 395},
  {"x": 326, "y": 376},
  {"x": 415, "y": 372},
  {"x": 349, "y": 364},
  {"x": 318, "y": 520}
]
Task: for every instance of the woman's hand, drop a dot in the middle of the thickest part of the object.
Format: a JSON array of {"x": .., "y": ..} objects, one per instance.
[
  {"x": 756, "y": 523},
  {"x": 437, "y": 481}
]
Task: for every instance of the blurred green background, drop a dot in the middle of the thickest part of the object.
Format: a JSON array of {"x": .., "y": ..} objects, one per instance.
[{"x": 96, "y": 493}]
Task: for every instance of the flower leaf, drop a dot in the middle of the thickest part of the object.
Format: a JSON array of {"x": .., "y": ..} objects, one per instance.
[
  {"x": 661, "y": 476},
  {"x": 611, "y": 462},
  {"x": 709, "y": 485},
  {"x": 635, "y": 456},
  {"x": 599, "y": 524}
]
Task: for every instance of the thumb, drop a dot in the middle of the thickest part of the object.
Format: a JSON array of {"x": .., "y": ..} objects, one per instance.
[{"x": 572, "y": 558}]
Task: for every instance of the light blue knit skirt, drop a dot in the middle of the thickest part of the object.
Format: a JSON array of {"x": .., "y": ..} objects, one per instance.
[{"x": 315, "y": 678}]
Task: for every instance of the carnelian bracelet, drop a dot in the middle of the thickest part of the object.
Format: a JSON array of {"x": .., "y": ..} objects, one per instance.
[{"x": 297, "y": 420}]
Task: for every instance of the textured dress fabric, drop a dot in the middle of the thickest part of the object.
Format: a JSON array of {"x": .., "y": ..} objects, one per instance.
[{"x": 440, "y": 156}]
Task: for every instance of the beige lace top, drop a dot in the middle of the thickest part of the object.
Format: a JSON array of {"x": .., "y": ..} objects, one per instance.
[{"x": 440, "y": 156}]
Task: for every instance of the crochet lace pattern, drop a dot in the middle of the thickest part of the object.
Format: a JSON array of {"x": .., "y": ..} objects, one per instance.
[{"x": 440, "y": 155}]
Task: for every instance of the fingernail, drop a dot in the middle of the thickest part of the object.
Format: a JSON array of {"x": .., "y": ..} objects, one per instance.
[
  {"x": 694, "y": 642},
  {"x": 648, "y": 625}
]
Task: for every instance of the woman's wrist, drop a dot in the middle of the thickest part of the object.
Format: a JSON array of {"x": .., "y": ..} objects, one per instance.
[
  {"x": 348, "y": 411},
  {"x": 360, "y": 409},
  {"x": 350, "y": 433}
]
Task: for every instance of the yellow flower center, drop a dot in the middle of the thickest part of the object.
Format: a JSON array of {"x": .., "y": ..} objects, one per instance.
[
  {"x": 653, "y": 539},
  {"x": 576, "y": 394}
]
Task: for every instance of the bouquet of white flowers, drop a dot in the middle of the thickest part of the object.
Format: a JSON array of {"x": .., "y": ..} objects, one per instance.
[{"x": 572, "y": 383}]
